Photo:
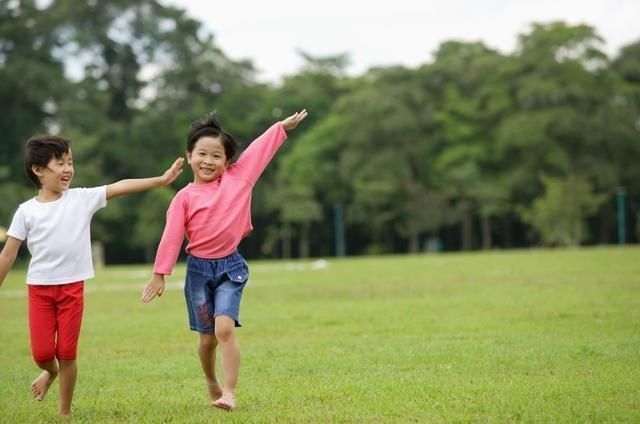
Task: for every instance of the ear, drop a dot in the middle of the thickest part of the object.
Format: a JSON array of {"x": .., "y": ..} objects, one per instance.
[
  {"x": 188, "y": 154},
  {"x": 38, "y": 170}
]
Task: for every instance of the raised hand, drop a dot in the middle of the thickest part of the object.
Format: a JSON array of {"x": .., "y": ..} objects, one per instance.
[
  {"x": 292, "y": 121},
  {"x": 172, "y": 173}
]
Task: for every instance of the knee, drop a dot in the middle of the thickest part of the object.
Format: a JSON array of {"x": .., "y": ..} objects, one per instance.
[
  {"x": 208, "y": 341},
  {"x": 66, "y": 364},
  {"x": 44, "y": 361},
  {"x": 224, "y": 332}
]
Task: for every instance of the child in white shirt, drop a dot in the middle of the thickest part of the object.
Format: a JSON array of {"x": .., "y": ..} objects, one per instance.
[{"x": 56, "y": 225}]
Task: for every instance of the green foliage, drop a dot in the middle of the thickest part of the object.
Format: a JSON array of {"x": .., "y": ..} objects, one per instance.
[
  {"x": 560, "y": 214},
  {"x": 12, "y": 194},
  {"x": 424, "y": 211},
  {"x": 626, "y": 64},
  {"x": 151, "y": 218},
  {"x": 409, "y": 153},
  {"x": 31, "y": 81}
]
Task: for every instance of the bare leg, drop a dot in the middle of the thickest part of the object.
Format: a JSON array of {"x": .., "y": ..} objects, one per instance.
[
  {"x": 207, "y": 353},
  {"x": 68, "y": 376},
  {"x": 40, "y": 385},
  {"x": 230, "y": 352}
]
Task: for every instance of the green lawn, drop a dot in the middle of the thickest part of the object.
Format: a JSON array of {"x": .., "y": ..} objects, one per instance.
[{"x": 520, "y": 336}]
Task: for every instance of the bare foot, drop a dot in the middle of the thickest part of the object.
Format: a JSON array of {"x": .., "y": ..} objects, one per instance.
[
  {"x": 41, "y": 385},
  {"x": 226, "y": 402},
  {"x": 215, "y": 391}
]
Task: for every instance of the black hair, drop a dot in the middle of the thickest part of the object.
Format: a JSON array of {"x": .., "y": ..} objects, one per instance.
[
  {"x": 210, "y": 127},
  {"x": 39, "y": 151}
]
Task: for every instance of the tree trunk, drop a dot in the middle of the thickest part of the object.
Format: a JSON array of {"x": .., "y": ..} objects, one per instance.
[
  {"x": 508, "y": 234},
  {"x": 149, "y": 254},
  {"x": 467, "y": 226},
  {"x": 486, "y": 233},
  {"x": 285, "y": 236},
  {"x": 605, "y": 218},
  {"x": 303, "y": 242},
  {"x": 414, "y": 242}
]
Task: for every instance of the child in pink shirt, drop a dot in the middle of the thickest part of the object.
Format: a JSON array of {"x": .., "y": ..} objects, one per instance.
[{"x": 214, "y": 212}]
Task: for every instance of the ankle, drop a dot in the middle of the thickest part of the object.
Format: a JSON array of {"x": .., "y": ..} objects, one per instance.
[{"x": 229, "y": 393}]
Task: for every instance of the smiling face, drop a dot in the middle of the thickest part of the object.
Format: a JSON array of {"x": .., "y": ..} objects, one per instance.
[
  {"x": 57, "y": 175},
  {"x": 208, "y": 159}
]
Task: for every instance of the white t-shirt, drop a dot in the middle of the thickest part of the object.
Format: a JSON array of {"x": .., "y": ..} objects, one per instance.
[{"x": 58, "y": 235}]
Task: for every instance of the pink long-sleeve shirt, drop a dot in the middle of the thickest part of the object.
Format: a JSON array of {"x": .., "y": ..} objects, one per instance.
[{"x": 216, "y": 216}]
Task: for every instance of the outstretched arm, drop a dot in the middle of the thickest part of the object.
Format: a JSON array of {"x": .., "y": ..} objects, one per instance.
[
  {"x": 142, "y": 184},
  {"x": 292, "y": 121},
  {"x": 8, "y": 256},
  {"x": 260, "y": 151}
]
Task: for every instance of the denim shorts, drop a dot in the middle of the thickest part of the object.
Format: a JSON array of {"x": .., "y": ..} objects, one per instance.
[{"x": 213, "y": 287}]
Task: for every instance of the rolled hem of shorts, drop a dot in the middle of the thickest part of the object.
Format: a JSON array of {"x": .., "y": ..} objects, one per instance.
[
  {"x": 67, "y": 358},
  {"x": 41, "y": 361},
  {"x": 233, "y": 317},
  {"x": 197, "y": 330}
]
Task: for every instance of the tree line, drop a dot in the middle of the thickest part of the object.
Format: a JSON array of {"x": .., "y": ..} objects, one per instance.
[{"x": 474, "y": 149}]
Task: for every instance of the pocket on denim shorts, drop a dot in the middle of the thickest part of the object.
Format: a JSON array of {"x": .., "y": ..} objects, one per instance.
[{"x": 239, "y": 273}]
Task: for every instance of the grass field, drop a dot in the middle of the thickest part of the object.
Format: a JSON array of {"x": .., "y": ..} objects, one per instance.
[{"x": 522, "y": 336}]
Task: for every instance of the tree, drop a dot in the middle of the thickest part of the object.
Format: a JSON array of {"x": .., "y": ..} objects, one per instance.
[
  {"x": 307, "y": 182},
  {"x": 151, "y": 220},
  {"x": 621, "y": 123},
  {"x": 424, "y": 211},
  {"x": 560, "y": 88},
  {"x": 471, "y": 101},
  {"x": 559, "y": 216},
  {"x": 31, "y": 83},
  {"x": 144, "y": 71},
  {"x": 381, "y": 152},
  {"x": 298, "y": 184}
]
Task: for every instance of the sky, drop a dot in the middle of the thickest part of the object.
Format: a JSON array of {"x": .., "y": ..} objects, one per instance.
[{"x": 392, "y": 32}]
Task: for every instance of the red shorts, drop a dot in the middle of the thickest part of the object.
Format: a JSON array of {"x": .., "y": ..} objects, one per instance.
[{"x": 55, "y": 317}]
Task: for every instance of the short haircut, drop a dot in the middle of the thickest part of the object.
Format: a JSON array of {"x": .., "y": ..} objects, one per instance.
[
  {"x": 210, "y": 127},
  {"x": 39, "y": 151}
]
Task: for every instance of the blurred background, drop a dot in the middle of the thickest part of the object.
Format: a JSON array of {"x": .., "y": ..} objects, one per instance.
[{"x": 473, "y": 147}]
